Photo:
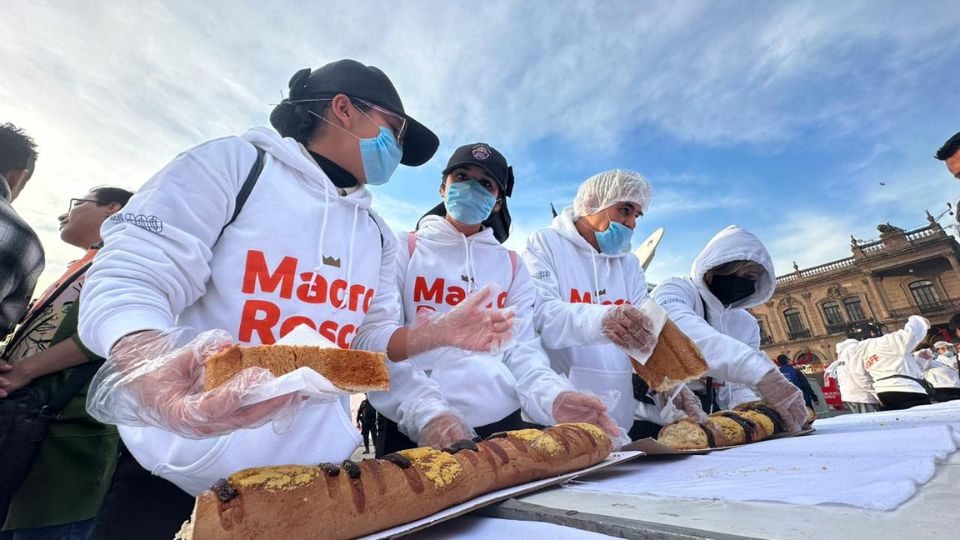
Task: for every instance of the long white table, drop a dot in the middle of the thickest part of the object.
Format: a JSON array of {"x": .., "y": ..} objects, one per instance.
[{"x": 920, "y": 502}]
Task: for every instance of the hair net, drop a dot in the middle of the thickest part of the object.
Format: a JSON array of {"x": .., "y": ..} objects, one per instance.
[
  {"x": 608, "y": 188},
  {"x": 941, "y": 344}
]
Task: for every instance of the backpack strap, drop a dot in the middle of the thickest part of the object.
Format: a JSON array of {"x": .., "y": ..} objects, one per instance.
[{"x": 246, "y": 188}]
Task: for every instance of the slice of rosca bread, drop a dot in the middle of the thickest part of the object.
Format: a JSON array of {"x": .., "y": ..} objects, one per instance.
[
  {"x": 675, "y": 359},
  {"x": 354, "y": 371}
]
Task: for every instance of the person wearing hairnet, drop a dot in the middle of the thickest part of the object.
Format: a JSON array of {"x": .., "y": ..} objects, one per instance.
[
  {"x": 946, "y": 354},
  {"x": 201, "y": 248},
  {"x": 589, "y": 285},
  {"x": 732, "y": 273},
  {"x": 439, "y": 397}
]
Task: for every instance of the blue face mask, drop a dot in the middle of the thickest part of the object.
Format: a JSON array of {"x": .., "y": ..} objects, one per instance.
[
  {"x": 381, "y": 156},
  {"x": 469, "y": 202},
  {"x": 615, "y": 239}
]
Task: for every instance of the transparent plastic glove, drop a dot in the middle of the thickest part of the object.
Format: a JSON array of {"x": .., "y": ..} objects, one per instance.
[
  {"x": 444, "y": 430},
  {"x": 473, "y": 325},
  {"x": 571, "y": 407},
  {"x": 151, "y": 380},
  {"x": 926, "y": 354},
  {"x": 783, "y": 397},
  {"x": 630, "y": 329},
  {"x": 680, "y": 403}
]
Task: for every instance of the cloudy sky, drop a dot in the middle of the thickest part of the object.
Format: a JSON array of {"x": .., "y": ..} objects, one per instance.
[{"x": 781, "y": 117}]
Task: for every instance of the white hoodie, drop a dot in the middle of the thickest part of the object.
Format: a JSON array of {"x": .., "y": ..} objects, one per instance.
[
  {"x": 299, "y": 253},
  {"x": 940, "y": 375},
  {"x": 889, "y": 357},
  {"x": 855, "y": 383},
  {"x": 445, "y": 267},
  {"x": 576, "y": 286},
  {"x": 730, "y": 336}
]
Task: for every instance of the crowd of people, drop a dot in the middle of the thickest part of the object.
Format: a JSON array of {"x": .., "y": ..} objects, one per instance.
[{"x": 242, "y": 239}]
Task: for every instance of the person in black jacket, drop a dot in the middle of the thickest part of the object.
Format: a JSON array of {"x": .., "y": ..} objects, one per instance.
[{"x": 367, "y": 423}]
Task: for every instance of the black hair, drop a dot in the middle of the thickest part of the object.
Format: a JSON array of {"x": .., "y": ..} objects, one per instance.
[
  {"x": 783, "y": 360},
  {"x": 17, "y": 149},
  {"x": 296, "y": 119},
  {"x": 954, "y": 325},
  {"x": 949, "y": 148},
  {"x": 109, "y": 195}
]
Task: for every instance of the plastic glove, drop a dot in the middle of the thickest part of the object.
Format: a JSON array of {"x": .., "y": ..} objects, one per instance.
[
  {"x": 926, "y": 354},
  {"x": 444, "y": 430},
  {"x": 472, "y": 325},
  {"x": 681, "y": 401},
  {"x": 627, "y": 327},
  {"x": 783, "y": 397},
  {"x": 571, "y": 407},
  {"x": 149, "y": 380}
]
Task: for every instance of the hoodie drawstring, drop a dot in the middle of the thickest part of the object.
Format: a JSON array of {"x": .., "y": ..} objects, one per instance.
[
  {"x": 468, "y": 264},
  {"x": 596, "y": 280},
  {"x": 353, "y": 235},
  {"x": 323, "y": 230}
]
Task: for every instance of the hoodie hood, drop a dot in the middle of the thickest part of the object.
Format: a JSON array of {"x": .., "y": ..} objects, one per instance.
[
  {"x": 564, "y": 225},
  {"x": 292, "y": 154},
  {"x": 845, "y": 346},
  {"x": 735, "y": 244}
]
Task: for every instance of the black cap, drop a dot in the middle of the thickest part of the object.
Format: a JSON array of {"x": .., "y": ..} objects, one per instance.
[
  {"x": 864, "y": 330},
  {"x": 487, "y": 157},
  {"x": 368, "y": 83}
]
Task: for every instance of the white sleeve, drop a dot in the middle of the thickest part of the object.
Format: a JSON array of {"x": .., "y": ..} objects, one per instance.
[
  {"x": 729, "y": 359},
  {"x": 414, "y": 398},
  {"x": 902, "y": 342},
  {"x": 385, "y": 313},
  {"x": 155, "y": 264},
  {"x": 560, "y": 323},
  {"x": 537, "y": 384}
]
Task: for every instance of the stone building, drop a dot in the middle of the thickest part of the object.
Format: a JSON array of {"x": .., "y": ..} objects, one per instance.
[{"x": 886, "y": 280}]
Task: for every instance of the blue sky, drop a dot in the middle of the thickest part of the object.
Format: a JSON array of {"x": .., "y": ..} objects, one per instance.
[{"x": 781, "y": 117}]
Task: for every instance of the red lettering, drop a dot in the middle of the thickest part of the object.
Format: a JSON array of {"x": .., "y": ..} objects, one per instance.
[
  {"x": 356, "y": 292},
  {"x": 312, "y": 291},
  {"x": 338, "y": 290},
  {"x": 576, "y": 298},
  {"x": 455, "y": 295},
  {"x": 251, "y": 321},
  {"x": 328, "y": 329},
  {"x": 345, "y": 336},
  {"x": 421, "y": 292},
  {"x": 257, "y": 273},
  {"x": 367, "y": 300}
]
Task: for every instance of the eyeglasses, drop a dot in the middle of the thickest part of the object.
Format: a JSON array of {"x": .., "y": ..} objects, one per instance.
[
  {"x": 399, "y": 134},
  {"x": 76, "y": 202}
]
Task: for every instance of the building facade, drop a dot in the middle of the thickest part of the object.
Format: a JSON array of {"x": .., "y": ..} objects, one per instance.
[{"x": 886, "y": 280}]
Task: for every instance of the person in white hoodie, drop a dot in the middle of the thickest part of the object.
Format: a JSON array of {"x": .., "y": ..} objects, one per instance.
[
  {"x": 943, "y": 379},
  {"x": 889, "y": 362},
  {"x": 732, "y": 273},
  {"x": 947, "y": 354},
  {"x": 589, "y": 285},
  {"x": 438, "y": 398},
  {"x": 306, "y": 249},
  {"x": 856, "y": 386}
]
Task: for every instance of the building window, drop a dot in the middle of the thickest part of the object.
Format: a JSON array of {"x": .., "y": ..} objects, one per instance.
[
  {"x": 795, "y": 324},
  {"x": 924, "y": 294},
  {"x": 854, "y": 312},
  {"x": 765, "y": 338},
  {"x": 831, "y": 310}
]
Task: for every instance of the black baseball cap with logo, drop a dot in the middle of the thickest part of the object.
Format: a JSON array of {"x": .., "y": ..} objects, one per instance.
[
  {"x": 370, "y": 84},
  {"x": 488, "y": 158}
]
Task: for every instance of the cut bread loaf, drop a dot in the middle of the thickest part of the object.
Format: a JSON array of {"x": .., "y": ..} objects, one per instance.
[
  {"x": 747, "y": 423},
  {"x": 354, "y": 371},
  {"x": 675, "y": 359},
  {"x": 353, "y": 499}
]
